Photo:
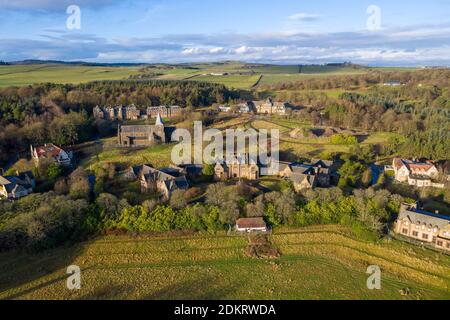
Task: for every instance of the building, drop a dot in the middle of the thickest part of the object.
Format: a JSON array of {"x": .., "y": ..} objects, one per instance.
[
  {"x": 246, "y": 107},
  {"x": 271, "y": 107},
  {"x": 432, "y": 229},
  {"x": 392, "y": 83},
  {"x": 164, "y": 181},
  {"x": 51, "y": 152},
  {"x": 120, "y": 113},
  {"x": 251, "y": 225},
  {"x": 239, "y": 168},
  {"x": 418, "y": 174},
  {"x": 131, "y": 112},
  {"x": 317, "y": 173},
  {"x": 144, "y": 135},
  {"x": 224, "y": 108},
  {"x": 16, "y": 187},
  {"x": 164, "y": 111}
]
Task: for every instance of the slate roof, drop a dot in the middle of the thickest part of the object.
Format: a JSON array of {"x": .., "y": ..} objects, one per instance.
[{"x": 417, "y": 216}]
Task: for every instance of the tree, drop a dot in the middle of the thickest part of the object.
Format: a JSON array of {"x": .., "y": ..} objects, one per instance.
[
  {"x": 178, "y": 199},
  {"x": 208, "y": 170},
  {"x": 53, "y": 171}
]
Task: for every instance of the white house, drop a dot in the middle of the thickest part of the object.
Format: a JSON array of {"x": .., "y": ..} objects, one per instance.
[
  {"x": 419, "y": 174},
  {"x": 51, "y": 152}
]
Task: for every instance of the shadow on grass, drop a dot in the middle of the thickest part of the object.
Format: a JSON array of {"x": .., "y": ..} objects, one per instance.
[
  {"x": 17, "y": 269},
  {"x": 202, "y": 288}
]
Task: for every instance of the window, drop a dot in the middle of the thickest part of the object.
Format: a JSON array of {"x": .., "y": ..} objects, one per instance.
[
  {"x": 439, "y": 243},
  {"x": 415, "y": 234},
  {"x": 405, "y": 231},
  {"x": 425, "y": 236}
]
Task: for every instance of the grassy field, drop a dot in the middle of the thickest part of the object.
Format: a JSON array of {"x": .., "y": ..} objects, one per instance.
[
  {"x": 315, "y": 263},
  {"x": 20, "y": 75},
  {"x": 241, "y": 75},
  {"x": 108, "y": 152}
]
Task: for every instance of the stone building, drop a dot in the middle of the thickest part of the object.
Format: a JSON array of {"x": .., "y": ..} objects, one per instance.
[
  {"x": 271, "y": 107},
  {"x": 239, "y": 168},
  {"x": 317, "y": 173},
  {"x": 164, "y": 111},
  {"x": 164, "y": 181},
  {"x": 430, "y": 228},
  {"x": 144, "y": 135}
]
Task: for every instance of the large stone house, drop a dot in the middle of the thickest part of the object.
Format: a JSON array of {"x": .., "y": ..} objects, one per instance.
[
  {"x": 426, "y": 227},
  {"x": 239, "y": 168},
  {"x": 164, "y": 181},
  {"x": 164, "y": 111},
  {"x": 418, "y": 174},
  {"x": 131, "y": 112},
  {"x": 317, "y": 173},
  {"x": 18, "y": 186},
  {"x": 121, "y": 113},
  {"x": 271, "y": 107},
  {"x": 144, "y": 135},
  {"x": 51, "y": 152}
]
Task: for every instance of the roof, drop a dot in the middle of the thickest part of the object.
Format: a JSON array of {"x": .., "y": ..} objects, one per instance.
[
  {"x": 413, "y": 165},
  {"x": 4, "y": 181},
  {"x": 172, "y": 177},
  {"x": 48, "y": 151},
  {"x": 300, "y": 178},
  {"x": 417, "y": 216},
  {"x": 251, "y": 223},
  {"x": 137, "y": 128}
]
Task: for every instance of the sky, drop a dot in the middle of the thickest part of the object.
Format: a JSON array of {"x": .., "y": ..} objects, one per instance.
[{"x": 376, "y": 32}]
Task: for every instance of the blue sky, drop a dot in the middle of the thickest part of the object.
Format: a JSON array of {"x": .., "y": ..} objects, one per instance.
[{"x": 284, "y": 31}]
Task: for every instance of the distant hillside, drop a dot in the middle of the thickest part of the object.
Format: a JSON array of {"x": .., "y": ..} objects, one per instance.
[{"x": 74, "y": 63}]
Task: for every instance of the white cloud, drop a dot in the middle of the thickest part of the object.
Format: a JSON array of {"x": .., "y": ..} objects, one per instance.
[
  {"x": 397, "y": 46},
  {"x": 302, "y": 16}
]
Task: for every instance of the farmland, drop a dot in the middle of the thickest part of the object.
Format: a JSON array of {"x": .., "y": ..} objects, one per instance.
[
  {"x": 20, "y": 75},
  {"x": 315, "y": 263}
]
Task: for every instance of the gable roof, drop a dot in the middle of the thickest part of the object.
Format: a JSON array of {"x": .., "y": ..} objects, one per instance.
[
  {"x": 417, "y": 216},
  {"x": 299, "y": 178},
  {"x": 413, "y": 166},
  {"x": 250, "y": 223},
  {"x": 48, "y": 150},
  {"x": 4, "y": 181}
]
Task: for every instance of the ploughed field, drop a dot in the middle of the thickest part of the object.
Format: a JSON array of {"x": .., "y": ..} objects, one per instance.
[{"x": 315, "y": 263}]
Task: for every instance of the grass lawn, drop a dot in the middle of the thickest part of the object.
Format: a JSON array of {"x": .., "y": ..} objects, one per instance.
[
  {"x": 108, "y": 152},
  {"x": 315, "y": 263},
  {"x": 20, "y": 75}
]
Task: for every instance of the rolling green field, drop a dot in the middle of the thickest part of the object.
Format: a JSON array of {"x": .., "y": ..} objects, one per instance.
[
  {"x": 315, "y": 263},
  {"x": 20, "y": 75},
  {"x": 241, "y": 75}
]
